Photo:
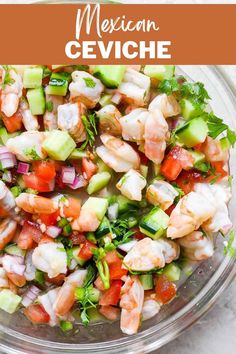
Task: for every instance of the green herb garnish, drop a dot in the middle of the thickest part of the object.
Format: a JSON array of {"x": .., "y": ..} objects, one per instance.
[{"x": 89, "y": 82}]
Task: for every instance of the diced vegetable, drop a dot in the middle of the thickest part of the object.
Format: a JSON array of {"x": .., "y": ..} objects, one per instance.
[
  {"x": 98, "y": 205},
  {"x": 14, "y": 250},
  {"x": 58, "y": 84},
  {"x": 190, "y": 108},
  {"x": 9, "y": 301},
  {"x": 125, "y": 204},
  {"x": 110, "y": 75},
  {"x": 38, "y": 184},
  {"x": 36, "y": 314},
  {"x": 154, "y": 223},
  {"x": 102, "y": 167},
  {"x": 59, "y": 145},
  {"x": 146, "y": 281},
  {"x": 3, "y": 135},
  {"x": 112, "y": 295},
  {"x": 98, "y": 181},
  {"x": 172, "y": 271},
  {"x": 32, "y": 77},
  {"x": 165, "y": 289},
  {"x": 225, "y": 144},
  {"x": 159, "y": 72},
  {"x": 86, "y": 250},
  {"x": 198, "y": 156},
  {"x": 104, "y": 228},
  {"x": 36, "y": 100},
  {"x": 44, "y": 169},
  {"x": 144, "y": 170},
  {"x": 77, "y": 154},
  {"x": 105, "y": 100},
  {"x": 13, "y": 123},
  {"x": 194, "y": 133}
]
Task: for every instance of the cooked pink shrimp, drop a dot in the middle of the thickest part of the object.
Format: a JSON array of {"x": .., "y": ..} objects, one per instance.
[
  {"x": 168, "y": 105},
  {"x": 156, "y": 134},
  {"x": 196, "y": 246},
  {"x": 131, "y": 185},
  {"x": 7, "y": 231},
  {"x": 66, "y": 296},
  {"x": 29, "y": 120},
  {"x": 189, "y": 214},
  {"x": 109, "y": 120},
  {"x": 161, "y": 193},
  {"x": 11, "y": 90},
  {"x": 87, "y": 221},
  {"x": 213, "y": 150},
  {"x": 7, "y": 201},
  {"x": 50, "y": 117},
  {"x": 35, "y": 204},
  {"x": 117, "y": 154},
  {"x": 133, "y": 125},
  {"x": 3, "y": 278},
  {"x": 47, "y": 300},
  {"x": 69, "y": 119},
  {"x": 131, "y": 303}
]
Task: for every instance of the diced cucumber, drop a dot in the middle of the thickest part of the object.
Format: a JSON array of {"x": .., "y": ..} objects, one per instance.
[
  {"x": 125, "y": 204},
  {"x": 98, "y": 181},
  {"x": 36, "y": 99},
  {"x": 4, "y": 135},
  {"x": 92, "y": 293},
  {"x": 94, "y": 315},
  {"x": 190, "y": 109},
  {"x": 105, "y": 100},
  {"x": 77, "y": 154},
  {"x": 198, "y": 156},
  {"x": 104, "y": 228},
  {"x": 75, "y": 252},
  {"x": 156, "y": 168},
  {"x": 14, "y": 250},
  {"x": 98, "y": 205},
  {"x": 110, "y": 75},
  {"x": 159, "y": 72},
  {"x": 54, "y": 67},
  {"x": 102, "y": 167},
  {"x": 225, "y": 144},
  {"x": 172, "y": 271},
  {"x": 91, "y": 237},
  {"x": 144, "y": 170},
  {"x": 147, "y": 281},
  {"x": 9, "y": 301},
  {"x": 59, "y": 145},
  {"x": 58, "y": 84},
  {"x": 32, "y": 77},
  {"x": 132, "y": 221},
  {"x": 195, "y": 132},
  {"x": 16, "y": 190},
  {"x": 154, "y": 223}
]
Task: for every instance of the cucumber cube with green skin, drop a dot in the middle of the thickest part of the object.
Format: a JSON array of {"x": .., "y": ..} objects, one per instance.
[
  {"x": 172, "y": 271},
  {"x": 154, "y": 223},
  {"x": 159, "y": 72},
  {"x": 125, "y": 204},
  {"x": 198, "y": 156},
  {"x": 97, "y": 205},
  {"x": 195, "y": 132},
  {"x": 58, "y": 84},
  {"x": 59, "y": 145},
  {"x": 224, "y": 143},
  {"x": 147, "y": 281},
  {"x": 77, "y": 154},
  {"x": 110, "y": 75},
  {"x": 105, "y": 100},
  {"x": 190, "y": 109},
  {"x": 32, "y": 77},
  {"x": 104, "y": 228},
  {"x": 14, "y": 250},
  {"x": 36, "y": 99},
  {"x": 98, "y": 181},
  {"x": 9, "y": 301},
  {"x": 102, "y": 167}
]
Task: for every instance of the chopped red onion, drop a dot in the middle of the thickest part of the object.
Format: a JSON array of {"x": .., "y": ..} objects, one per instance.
[
  {"x": 116, "y": 98},
  {"x": 30, "y": 295},
  {"x": 23, "y": 168},
  {"x": 3, "y": 150},
  {"x": 172, "y": 123},
  {"x": 13, "y": 264},
  {"x": 79, "y": 182},
  {"x": 53, "y": 231},
  {"x": 7, "y": 176},
  {"x": 8, "y": 162},
  {"x": 68, "y": 175}
]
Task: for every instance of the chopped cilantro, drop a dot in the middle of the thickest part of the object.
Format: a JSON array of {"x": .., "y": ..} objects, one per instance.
[
  {"x": 89, "y": 82},
  {"x": 89, "y": 123},
  {"x": 195, "y": 91},
  {"x": 31, "y": 152},
  {"x": 7, "y": 78},
  {"x": 203, "y": 166},
  {"x": 229, "y": 249},
  {"x": 49, "y": 106},
  {"x": 180, "y": 192},
  {"x": 39, "y": 277},
  {"x": 66, "y": 326},
  {"x": 169, "y": 86},
  {"x": 231, "y": 137}
]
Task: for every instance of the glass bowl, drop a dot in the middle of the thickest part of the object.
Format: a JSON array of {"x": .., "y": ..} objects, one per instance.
[{"x": 195, "y": 296}]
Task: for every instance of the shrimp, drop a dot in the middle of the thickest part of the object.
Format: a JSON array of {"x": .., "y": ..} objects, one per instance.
[
  {"x": 35, "y": 204},
  {"x": 7, "y": 201},
  {"x": 87, "y": 221},
  {"x": 131, "y": 185},
  {"x": 66, "y": 296},
  {"x": 86, "y": 88},
  {"x": 156, "y": 135},
  {"x": 213, "y": 150},
  {"x": 196, "y": 246},
  {"x": 11, "y": 93},
  {"x": 30, "y": 121},
  {"x": 47, "y": 300},
  {"x": 109, "y": 120},
  {"x": 133, "y": 125},
  {"x": 7, "y": 231},
  {"x": 117, "y": 154},
  {"x": 27, "y": 146},
  {"x": 218, "y": 195},
  {"x": 135, "y": 87},
  {"x": 69, "y": 119},
  {"x": 168, "y": 105},
  {"x": 51, "y": 258},
  {"x": 50, "y": 117},
  {"x": 131, "y": 303},
  {"x": 150, "y": 309},
  {"x": 148, "y": 254},
  {"x": 189, "y": 214},
  {"x": 161, "y": 193},
  {"x": 14, "y": 267},
  {"x": 3, "y": 278}
]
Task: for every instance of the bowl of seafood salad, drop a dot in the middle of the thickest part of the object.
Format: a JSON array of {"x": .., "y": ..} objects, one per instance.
[{"x": 112, "y": 177}]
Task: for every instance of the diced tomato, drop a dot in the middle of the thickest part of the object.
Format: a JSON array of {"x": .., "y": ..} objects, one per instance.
[
  {"x": 187, "y": 179},
  {"x": 30, "y": 232},
  {"x": 77, "y": 238},
  {"x": 170, "y": 209},
  {"x": 165, "y": 289},
  {"x": 17, "y": 279},
  {"x": 44, "y": 169},
  {"x": 112, "y": 257},
  {"x": 110, "y": 312},
  {"x": 112, "y": 295},
  {"x": 138, "y": 234},
  {"x": 49, "y": 219},
  {"x": 88, "y": 168},
  {"x": 58, "y": 280},
  {"x": 86, "y": 250},
  {"x": 73, "y": 209},
  {"x": 99, "y": 284},
  {"x": 219, "y": 172},
  {"x": 31, "y": 180},
  {"x": 170, "y": 168},
  {"x": 116, "y": 271},
  {"x": 36, "y": 314},
  {"x": 199, "y": 147},
  {"x": 59, "y": 182},
  {"x": 13, "y": 123}
]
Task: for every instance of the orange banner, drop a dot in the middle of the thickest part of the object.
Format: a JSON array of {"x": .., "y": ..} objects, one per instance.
[{"x": 105, "y": 34}]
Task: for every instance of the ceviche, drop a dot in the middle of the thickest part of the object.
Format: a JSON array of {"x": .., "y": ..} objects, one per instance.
[{"x": 112, "y": 177}]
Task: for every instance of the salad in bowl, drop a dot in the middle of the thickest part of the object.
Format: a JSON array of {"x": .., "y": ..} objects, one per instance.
[{"x": 112, "y": 178}]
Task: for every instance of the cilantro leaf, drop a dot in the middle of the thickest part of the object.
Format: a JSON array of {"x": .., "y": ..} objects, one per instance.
[
  {"x": 231, "y": 135},
  {"x": 229, "y": 249},
  {"x": 169, "y": 86},
  {"x": 7, "y": 78},
  {"x": 196, "y": 91},
  {"x": 31, "y": 152},
  {"x": 180, "y": 192},
  {"x": 89, "y": 123},
  {"x": 49, "y": 106},
  {"x": 90, "y": 83},
  {"x": 216, "y": 126}
]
